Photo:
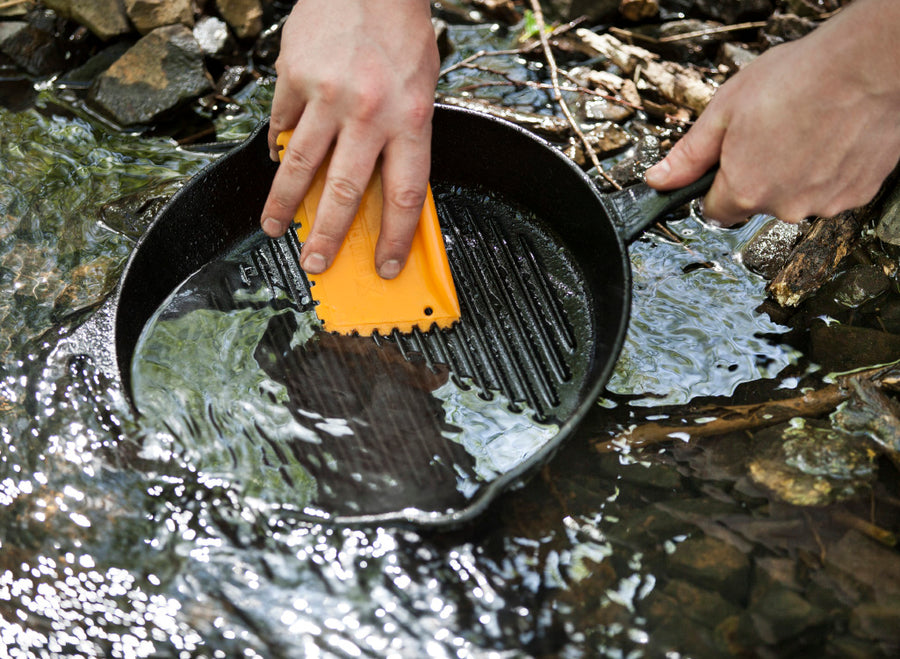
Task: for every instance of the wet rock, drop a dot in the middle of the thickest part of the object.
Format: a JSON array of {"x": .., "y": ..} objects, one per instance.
[
  {"x": 105, "y": 18},
  {"x": 713, "y": 564},
  {"x": 863, "y": 563},
  {"x": 82, "y": 77},
  {"x": 147, "y": 15},
  {"x": 693, "y": 49},
  {"x": 605, "y": 138},
  {"x": 808, "y": 465},
  {"x": 734, "y": 11},
  {"x": 87, "y": 284},
  {"x": 594, "y": 10},
  {"x": 782, "y": 614},
  {"x": 639, "y": 10},
  {"x": 599, "y": 108},
  {"x": 734, "y": 56},
  {"x": 769, "y": 248},
  {"x": 631, "y": 168},
  {"x": 811, "y": 8},
  {"x": 35, "y": 45},
  {"x": 131, "y": 214},
  {"x": 839, "y": 347},
  {"x": 500, "y": 10},
  {"x": 877, "y": 621},
  {"x": 244, "y": 16},
  {"x": 872, "y": 413},
  {"x": 161, "y": 72},
  {"x": 786, "y": 27},
  {"x": 859, "y": 285},
  {"x": 680, "y": 599},
  {"x": 888, "y": 229}
]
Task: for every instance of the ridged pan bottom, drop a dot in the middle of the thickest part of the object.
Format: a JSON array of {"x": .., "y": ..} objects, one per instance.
[{"x": 410, "y": 427}]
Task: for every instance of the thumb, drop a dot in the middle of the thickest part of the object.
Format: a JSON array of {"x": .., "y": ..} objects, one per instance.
[{"x": 691, "y": 157}]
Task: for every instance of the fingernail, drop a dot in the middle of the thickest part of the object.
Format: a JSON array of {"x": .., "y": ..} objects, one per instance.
[
  {"x": 272, "y": 227},
  {"x": 314, "y": 264},
  {"x": 657, "y": 174},
  {"x": 389, "y": 269}
]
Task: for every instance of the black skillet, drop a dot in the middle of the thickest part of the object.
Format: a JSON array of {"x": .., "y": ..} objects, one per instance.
[{"x": 540, "y": 262}]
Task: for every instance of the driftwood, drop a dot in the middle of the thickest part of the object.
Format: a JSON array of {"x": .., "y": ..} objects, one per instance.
[
  {"x": 727, "y": 419},
  {"x": 732, "y": 418},
  {"x": 676, "y": 83},
  {"x": 816, "y": 257}
]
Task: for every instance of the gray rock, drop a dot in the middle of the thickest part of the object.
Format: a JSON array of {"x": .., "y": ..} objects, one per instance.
[
  {"x": 105, "y": 18},
  {"x": 768, "y": 249},
  {"x": 158, "y": 74},
  {"x": 147, "y": 15}
]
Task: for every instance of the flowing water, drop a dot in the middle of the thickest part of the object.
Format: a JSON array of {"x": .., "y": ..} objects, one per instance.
[{"x": 113, "y": 544}]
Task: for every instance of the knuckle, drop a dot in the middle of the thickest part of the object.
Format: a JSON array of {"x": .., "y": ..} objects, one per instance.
[
  {"x": 344, "y": 191},
  {"x": 297, "y": 163},
  {"x": 406, "y": 198}
]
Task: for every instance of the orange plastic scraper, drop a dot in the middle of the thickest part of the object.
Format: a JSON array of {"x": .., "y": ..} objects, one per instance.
[{"x": 350, "y": 295}]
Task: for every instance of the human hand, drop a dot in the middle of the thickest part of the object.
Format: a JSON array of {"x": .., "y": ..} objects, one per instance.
[
  {"x": 358, "y": 76},
  {"x": 811, "y": 127}
]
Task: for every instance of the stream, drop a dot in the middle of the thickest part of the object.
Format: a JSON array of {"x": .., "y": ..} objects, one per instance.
[{"x": 105, "y": 552}]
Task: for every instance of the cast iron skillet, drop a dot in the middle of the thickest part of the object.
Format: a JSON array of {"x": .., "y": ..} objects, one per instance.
[{"x": 540, "y": 262}]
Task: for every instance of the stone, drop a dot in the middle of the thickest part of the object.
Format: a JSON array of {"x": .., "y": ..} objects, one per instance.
[
  {"x": 593, "y": 10},
  {"x": 105, "y": 18},
  {"x": 768, "y": 249},
  {"x": 839, "y": 348},
  {"x": 734, "y": 56},
  {"x": 734, "y": 11},
  {"x": 888, "y": 229},
  {"x": 212, "y": 36},
  {"x": 244, "y": 16},
  {"x": 714, "y": 565},
  {"x": 147, "y": 15},
  {"x": 161, "y": 72},
  {"x": 35, "y": 45},
  {"x": 781, "y": 614}
]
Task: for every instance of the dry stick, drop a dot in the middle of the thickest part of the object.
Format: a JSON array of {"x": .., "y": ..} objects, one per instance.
[
  {"x": 13, "y": 3},
  {"x": 713, "y": 30},
  {"x": 557, "y": 94}
]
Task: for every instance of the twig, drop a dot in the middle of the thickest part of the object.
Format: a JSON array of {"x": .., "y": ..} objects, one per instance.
[
  {"x": 730, "y": 419},
  {"x": 557, "y": 93},
  {"x": 13, "y": 3},
  {"x": 712, "y": 30}
]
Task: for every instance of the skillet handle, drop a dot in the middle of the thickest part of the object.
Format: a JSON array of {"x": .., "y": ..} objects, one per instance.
[{"x": 636, "y": 207}]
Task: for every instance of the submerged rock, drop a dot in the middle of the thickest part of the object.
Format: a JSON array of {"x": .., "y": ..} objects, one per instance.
[
  {"x": 808, "y": 465},
  {"x": 159, "y": 73}
]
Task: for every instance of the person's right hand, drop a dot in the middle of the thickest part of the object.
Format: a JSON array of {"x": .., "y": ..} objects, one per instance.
[
  {"x": 358, "y": 76},
  {"x": 811, "y": 127}
]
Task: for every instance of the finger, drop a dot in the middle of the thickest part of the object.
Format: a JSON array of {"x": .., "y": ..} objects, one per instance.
[
  {"x": 722, "y": 205},
  {"x": 692, "y": 156},
  {"x": 304, "y": 153},
  {"x": 348, "y": 175},
  {"x": 405, "y": 183},
  {"x": 286, "y": 111}
]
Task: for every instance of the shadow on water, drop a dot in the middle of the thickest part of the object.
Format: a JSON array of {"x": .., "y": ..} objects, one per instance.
[{"x": 124, "y": 539}]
